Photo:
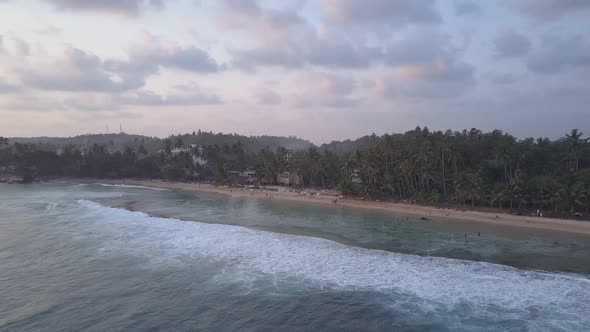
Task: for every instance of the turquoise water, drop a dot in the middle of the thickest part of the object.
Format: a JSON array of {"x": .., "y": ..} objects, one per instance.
[{"x": 98, "y": 257}]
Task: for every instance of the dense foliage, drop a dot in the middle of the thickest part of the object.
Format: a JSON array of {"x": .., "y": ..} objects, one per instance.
[
  {"x": 121, "y": 141},
  {"x": 468, "y": 168},
  {"x": 476, "y": 168}
]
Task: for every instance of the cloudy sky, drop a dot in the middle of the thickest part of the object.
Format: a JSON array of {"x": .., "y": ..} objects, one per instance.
[{"x": 317, "y": 69}]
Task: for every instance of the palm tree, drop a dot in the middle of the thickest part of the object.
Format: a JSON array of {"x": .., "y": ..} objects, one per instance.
[
  {"x": 575, "y": 141},
  {"x": 498, "y": 194},
  {"x": 445, "y": 150},
  {"x": 576, "y": 195},
  {"x": 265, "y": 166},
  {"x": 240, "y": 159},
  {"x": 347, "y": 171},
  {"x": 178, "y": 143},
  {"x": 282, "y": 157},
  {"x": 167, "y": 144},
  {"x": 141, "y": 150}
]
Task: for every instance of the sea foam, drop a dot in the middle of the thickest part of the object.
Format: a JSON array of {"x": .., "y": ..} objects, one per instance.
[
  {"x": 126, "y": 186},
  {"x": 337, "y": 266}
]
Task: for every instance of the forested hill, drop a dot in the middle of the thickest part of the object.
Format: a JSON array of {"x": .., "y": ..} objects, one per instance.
[
  {"x": 251, "y": 144},
  {"x": 119, "y": 142},
  {"x": 113, "y": 142},
  {"x": 350, "y": 146}
]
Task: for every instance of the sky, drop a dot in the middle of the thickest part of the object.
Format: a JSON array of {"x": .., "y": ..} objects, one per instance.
[{"x": 317, "y": 69}]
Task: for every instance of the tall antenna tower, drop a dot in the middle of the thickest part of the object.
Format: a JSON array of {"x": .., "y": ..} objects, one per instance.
[
  {"x": 107, "y": 128},
  {"x": 120, "y": 128}
]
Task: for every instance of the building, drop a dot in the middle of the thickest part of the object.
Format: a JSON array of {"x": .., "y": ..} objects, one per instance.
[
  {"x": 245, "y": 177},
  {"x": 289, "y": 179},
  {"x": 182, "y": 149},
  {"x": 198, "y": 161},
  {"x": 356, "y": 178}
]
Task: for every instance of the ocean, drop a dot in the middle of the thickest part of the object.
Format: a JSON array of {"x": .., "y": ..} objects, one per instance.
[{"x": 98, "y": 257}]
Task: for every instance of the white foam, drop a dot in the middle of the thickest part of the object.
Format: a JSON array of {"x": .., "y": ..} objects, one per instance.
[
  {"x": 51, "y": 206},
  {"x": 127, "y": 186},
  {"x": 334, "y": 265}
]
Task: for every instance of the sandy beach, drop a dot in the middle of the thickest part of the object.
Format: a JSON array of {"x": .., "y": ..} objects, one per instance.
[{"x": 435, "y": 213}]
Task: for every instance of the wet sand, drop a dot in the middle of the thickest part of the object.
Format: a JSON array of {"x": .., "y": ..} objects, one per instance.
[{"x": 420, "y": 211}]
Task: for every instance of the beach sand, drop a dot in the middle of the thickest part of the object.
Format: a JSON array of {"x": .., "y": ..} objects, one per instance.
[{"x": 434, "y": 213}]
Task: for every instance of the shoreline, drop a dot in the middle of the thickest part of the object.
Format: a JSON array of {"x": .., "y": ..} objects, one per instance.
[{"x": 420, "y": 211}]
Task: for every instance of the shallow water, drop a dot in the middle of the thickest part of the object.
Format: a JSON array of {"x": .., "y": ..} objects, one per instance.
[{"x": 74, "y": 257}]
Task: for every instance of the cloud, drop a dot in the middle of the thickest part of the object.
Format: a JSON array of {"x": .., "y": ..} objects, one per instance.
[
  {"x": 271, "y": 27},
  {"x": 282, "y": 38},
  {"x": 18, "y": 99},
  {"x": 240, "y": 14},
  {"x": 122, "y": 7},
  {"x": 77, "y": 71},
  {"x": 392, "y": 87},
  {"x": 186, "y": 58},
  {"x": 440, "y": 71},
  {"x": 327, "y": 84},
  {"x": 337, "y": 51},
  {"x": 559, "y": 53},
  {"x": 318, "y": 101},
  {"x": 279, "y": 56},
  {"x": 268, "y": 97},
  {"x": 151, "y": 54},
  {"x": 148, "y": 98},
  {"x": 28, "y": 103},
  {"x": 49, "y": 30},
  {"x": 466, "y": 8},
  {"x": 511, "y": 44},
  {"x": 549, "y": 9},
  {"x": 321, "y": 89},
  {"x": 438, "y": 79},
  {"x": 424, "y": 55},
  {"x": 18, "y": 45},
  {"x": 419, "y": 47},
  {"x": 313, "y": 51},
  {"x": 501, "y": 79},
  {"x": 99, "y": 102},
  {"x": 388, "y": 12},
  {"x": 6, "y": 88},
  {"x": 91, "y": 102}
]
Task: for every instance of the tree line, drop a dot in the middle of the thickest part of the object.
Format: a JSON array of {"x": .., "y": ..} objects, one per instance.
[
  {"x": 120, "y": 141},
  {"x": 469, "y": 168}
]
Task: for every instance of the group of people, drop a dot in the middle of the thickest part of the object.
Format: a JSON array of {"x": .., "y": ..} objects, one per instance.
[{"x": 537, "y": 213}]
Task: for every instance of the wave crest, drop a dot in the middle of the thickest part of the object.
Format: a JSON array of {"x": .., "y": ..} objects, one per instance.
[{"x": 334, "y": 265}]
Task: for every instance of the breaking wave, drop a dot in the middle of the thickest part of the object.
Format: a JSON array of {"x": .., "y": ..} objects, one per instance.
[
  {"x": 554, "y": 296},
  {"x": 127, "y": 186}
]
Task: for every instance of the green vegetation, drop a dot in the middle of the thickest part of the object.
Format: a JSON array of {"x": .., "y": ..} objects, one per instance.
[
  {"x": 121, "y": 141},
  {"x": 468, "y": 168}
]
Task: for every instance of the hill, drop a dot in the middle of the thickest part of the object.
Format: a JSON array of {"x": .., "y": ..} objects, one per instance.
[
  {"x": 118, "y": 142},
  {"x": 113, "y": 142},
  {"x": 251, "y": 144}
]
